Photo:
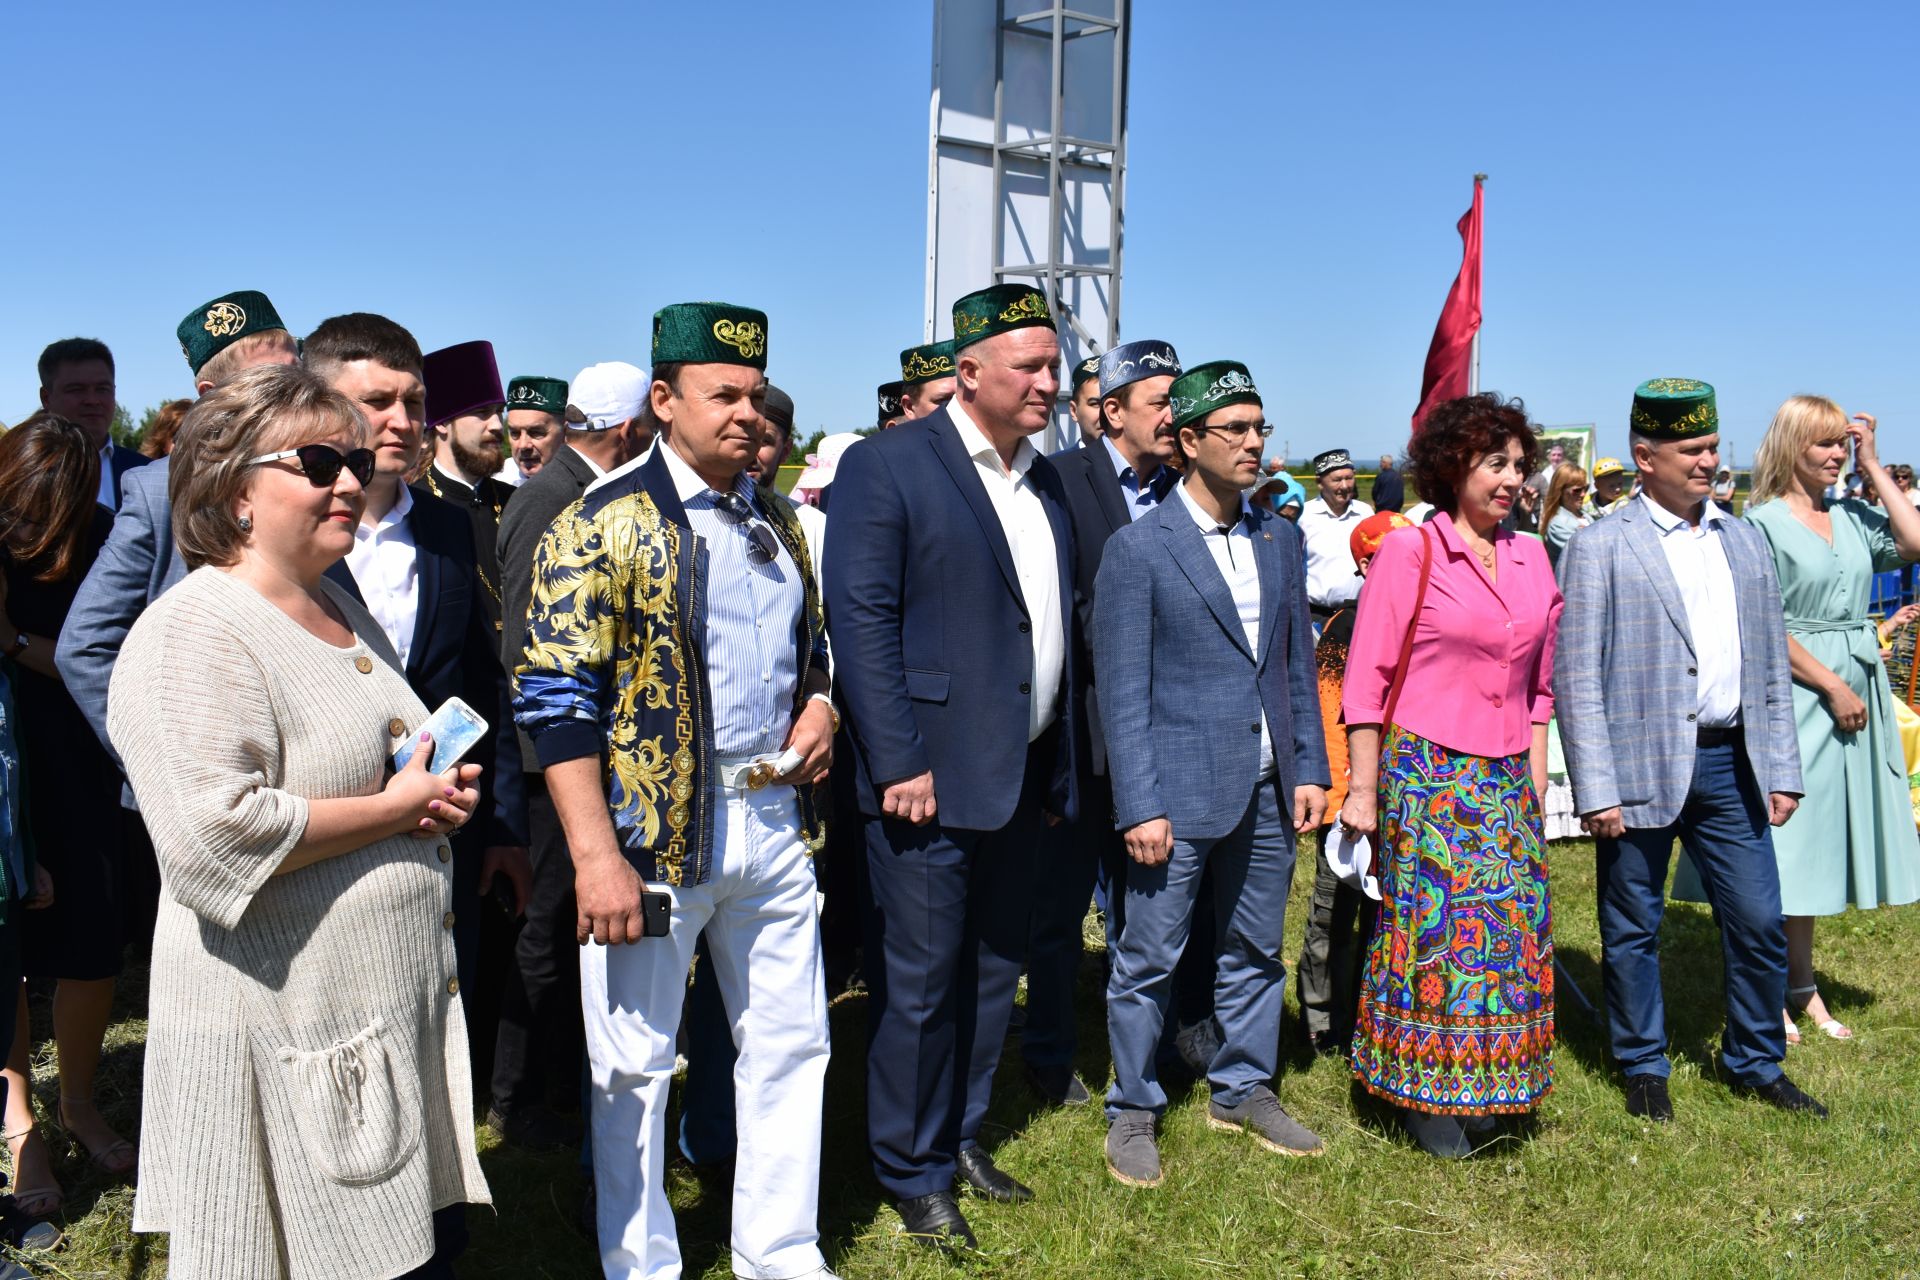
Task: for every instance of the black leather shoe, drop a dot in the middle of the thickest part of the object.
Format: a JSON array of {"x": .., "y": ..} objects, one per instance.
[
  {"x": 1647, "y": 1098},
  {"x": 978, "y": 1171},
  {"x": 936, "y": 1221},
  {"x": 534, "y": 1129},
  {"x": 1784, "y": 1094},
  {"x": 1060, "y": 1086}
]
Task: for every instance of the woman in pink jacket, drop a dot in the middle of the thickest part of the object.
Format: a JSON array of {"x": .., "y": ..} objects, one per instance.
[{"x": 1452, "y": 657}]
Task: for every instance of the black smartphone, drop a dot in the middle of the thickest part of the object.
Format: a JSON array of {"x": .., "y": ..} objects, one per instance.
[{"x": 656, "y": 914}]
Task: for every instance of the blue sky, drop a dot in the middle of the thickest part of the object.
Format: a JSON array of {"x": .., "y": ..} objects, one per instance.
[{"x": 1709, "y": 190}]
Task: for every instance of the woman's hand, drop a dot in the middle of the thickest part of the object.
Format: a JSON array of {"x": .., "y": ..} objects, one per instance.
[
  {"x": 1866, "y": 450},
  {"x": 433, "y": 804},
  {"x": 1361, "y": 813},
  {"x": 1844, "y": 705},
  {"x": 42, "y": 896}
]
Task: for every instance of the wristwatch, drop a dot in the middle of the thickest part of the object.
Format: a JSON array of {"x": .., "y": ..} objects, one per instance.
[
  {"x": 827, "y": 700},
  {"x": 20, "y": 642}
]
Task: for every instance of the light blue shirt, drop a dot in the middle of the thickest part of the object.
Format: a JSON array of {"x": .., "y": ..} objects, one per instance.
[
  {"x": 106, "y": 477},
  {"x": 1139, "y": 500},
  {"x": 753, "y": 612}
]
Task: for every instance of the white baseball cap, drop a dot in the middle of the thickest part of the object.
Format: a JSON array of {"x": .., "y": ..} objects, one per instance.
[
  {"x": 825, "y": 460},
  {"x": 602, "y": 396}
]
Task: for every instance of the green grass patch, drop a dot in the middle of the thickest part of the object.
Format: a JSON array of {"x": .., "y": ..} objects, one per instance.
[{"x": 1733, "y": 1189}]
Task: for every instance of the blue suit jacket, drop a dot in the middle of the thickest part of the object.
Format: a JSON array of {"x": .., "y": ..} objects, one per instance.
[
  {"x": 1180, "y": 690},
  {"x": 456, "y": 652},
  {"x": 1624, "y": 682},
  {"x": 136, "y": 565},
  {"x": 932, "y": 647}
]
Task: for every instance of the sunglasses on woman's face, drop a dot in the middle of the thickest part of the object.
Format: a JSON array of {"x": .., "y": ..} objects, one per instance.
[{"x": 322, "y": 463}]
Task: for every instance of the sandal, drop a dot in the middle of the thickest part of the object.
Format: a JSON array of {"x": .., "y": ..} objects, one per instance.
[
  {"x": 1832, "y": 1028},
  {"x": 117, "y": 1159},
  {"x": 31, "y": 1201}
]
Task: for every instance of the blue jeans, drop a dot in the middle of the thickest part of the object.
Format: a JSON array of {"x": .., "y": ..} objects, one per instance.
[
  {"x": 1252, "y": 869},
  {"x": 1723, "y": 827}
]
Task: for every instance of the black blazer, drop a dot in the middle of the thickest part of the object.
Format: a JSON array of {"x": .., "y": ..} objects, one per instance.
[
  {"x": 454, "y": 654},
  {"x": 1097, "y": 507},
  {"x": 121, "y": 461}
]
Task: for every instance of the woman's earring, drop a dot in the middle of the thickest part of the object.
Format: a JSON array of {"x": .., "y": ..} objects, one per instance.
[{"x": 246, "y": 524}]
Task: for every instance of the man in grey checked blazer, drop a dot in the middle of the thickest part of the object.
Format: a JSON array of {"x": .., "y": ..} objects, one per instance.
[
  {"x": 1209, "y": 697},
  {"x": 1675, "y": 707}
]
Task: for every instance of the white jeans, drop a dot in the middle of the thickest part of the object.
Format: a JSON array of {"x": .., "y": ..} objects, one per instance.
[{"x": 763, "y": 927}]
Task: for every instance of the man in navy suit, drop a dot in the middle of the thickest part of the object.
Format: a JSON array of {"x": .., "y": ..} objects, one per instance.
[
  {"x": 413, "y": 566},
  {"x": 1209, "y": 697},
  {"x": 950, "y": 605},
  {"x": 76, "y": 382}
]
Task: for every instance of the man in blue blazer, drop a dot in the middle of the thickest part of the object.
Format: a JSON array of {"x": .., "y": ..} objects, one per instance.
[
  {"x": 949, "y": 586},
  {"x": 1210, "y": 700},
  {"x": 1675, "y": 704},
  {"x": 1110, "y": 482},
  {"x": 77, "y": 383}
]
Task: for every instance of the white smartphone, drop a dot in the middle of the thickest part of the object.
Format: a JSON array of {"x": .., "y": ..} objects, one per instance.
[{"x": 455, "y": 727}]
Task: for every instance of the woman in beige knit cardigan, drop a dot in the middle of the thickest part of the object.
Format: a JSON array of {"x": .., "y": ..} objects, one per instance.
[{"x": 305, "y": 1108}]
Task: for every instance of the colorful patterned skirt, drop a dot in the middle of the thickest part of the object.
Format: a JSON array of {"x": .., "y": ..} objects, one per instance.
[{"x": 1456, "y": 1006}]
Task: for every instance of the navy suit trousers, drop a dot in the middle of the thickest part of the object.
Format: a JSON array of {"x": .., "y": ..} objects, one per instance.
[
  {"x": 946, "y": 933},
  {"x": 1723, "y": 826}
]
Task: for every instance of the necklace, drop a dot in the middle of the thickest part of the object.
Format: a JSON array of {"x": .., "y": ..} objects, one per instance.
[{"x": 479, "y": 569}]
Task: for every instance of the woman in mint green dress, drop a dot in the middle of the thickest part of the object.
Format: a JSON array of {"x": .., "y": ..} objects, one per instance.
[{"x": 1852, "y": 841}]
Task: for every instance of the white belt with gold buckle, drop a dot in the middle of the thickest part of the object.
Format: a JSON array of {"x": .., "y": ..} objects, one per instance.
[{"x": 750, "y": 773}]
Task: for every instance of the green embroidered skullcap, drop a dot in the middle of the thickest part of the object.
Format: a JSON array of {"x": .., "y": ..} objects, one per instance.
[
  {"x": 214, "y": 326},
  {"x": 1674, "y": 409},
  {"x": 1000, "y": 309},
  {"x": 1206, "y": 387},
  {"x": 924, "y": 364},
  {"x": 548, "y": 395},
  {"x": 1087, "y": 370},
  {"x": 710, "y": 333}
]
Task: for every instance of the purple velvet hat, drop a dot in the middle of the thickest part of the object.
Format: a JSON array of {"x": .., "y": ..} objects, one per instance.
[{"x": 461, "y": 379}]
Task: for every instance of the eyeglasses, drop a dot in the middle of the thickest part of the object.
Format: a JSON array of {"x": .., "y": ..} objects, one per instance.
[
  {"x": 1237, "y": 430},
  {"x": 761, "y": 547},
  {"x": 322, "y": 463}
]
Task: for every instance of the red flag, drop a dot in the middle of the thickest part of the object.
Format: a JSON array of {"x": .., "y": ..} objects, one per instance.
[{"x": 1450, "y": 358}]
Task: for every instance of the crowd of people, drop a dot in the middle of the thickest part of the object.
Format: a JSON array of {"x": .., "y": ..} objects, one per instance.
[{"x": 428, "y": 730}]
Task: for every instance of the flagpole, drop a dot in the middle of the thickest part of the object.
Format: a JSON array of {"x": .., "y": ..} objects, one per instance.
[{"x": 1473, "y": 370}]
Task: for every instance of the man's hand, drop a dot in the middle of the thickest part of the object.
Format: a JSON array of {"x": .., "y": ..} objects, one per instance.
[
  {"x": 607, "y": 890},
  {"x": 512, "y": 862},
  {"x": 1309, "y": 807},
  {"x": 910, "y": 799},
  {"x": 1150, "y": 843},
  {"x": 1608, "y": 824},
  {"x": 42, "y": 895},
  {"x": 1780, "y": 807},
  {"x": 812, "y": 736}
]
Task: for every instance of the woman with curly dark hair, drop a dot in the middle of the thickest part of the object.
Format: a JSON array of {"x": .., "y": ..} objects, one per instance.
[{"x": 1451, "y": 661}]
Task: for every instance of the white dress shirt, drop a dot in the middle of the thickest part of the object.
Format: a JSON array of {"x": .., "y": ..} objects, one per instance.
[
  {"x": 1023, "y": 518},
  {"x": 1333, "y": 580},
  {"x": 386, "y": 566},
  {"x": 1705, "y": 578},
  {"x": 1232, "y": 552}
]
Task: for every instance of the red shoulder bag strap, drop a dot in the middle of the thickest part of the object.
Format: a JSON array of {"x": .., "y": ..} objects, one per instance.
[{"x": 1406, "y": 645}]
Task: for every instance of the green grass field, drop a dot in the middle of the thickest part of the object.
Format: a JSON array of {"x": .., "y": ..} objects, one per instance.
[{"x": 1732, "y": 1189}]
